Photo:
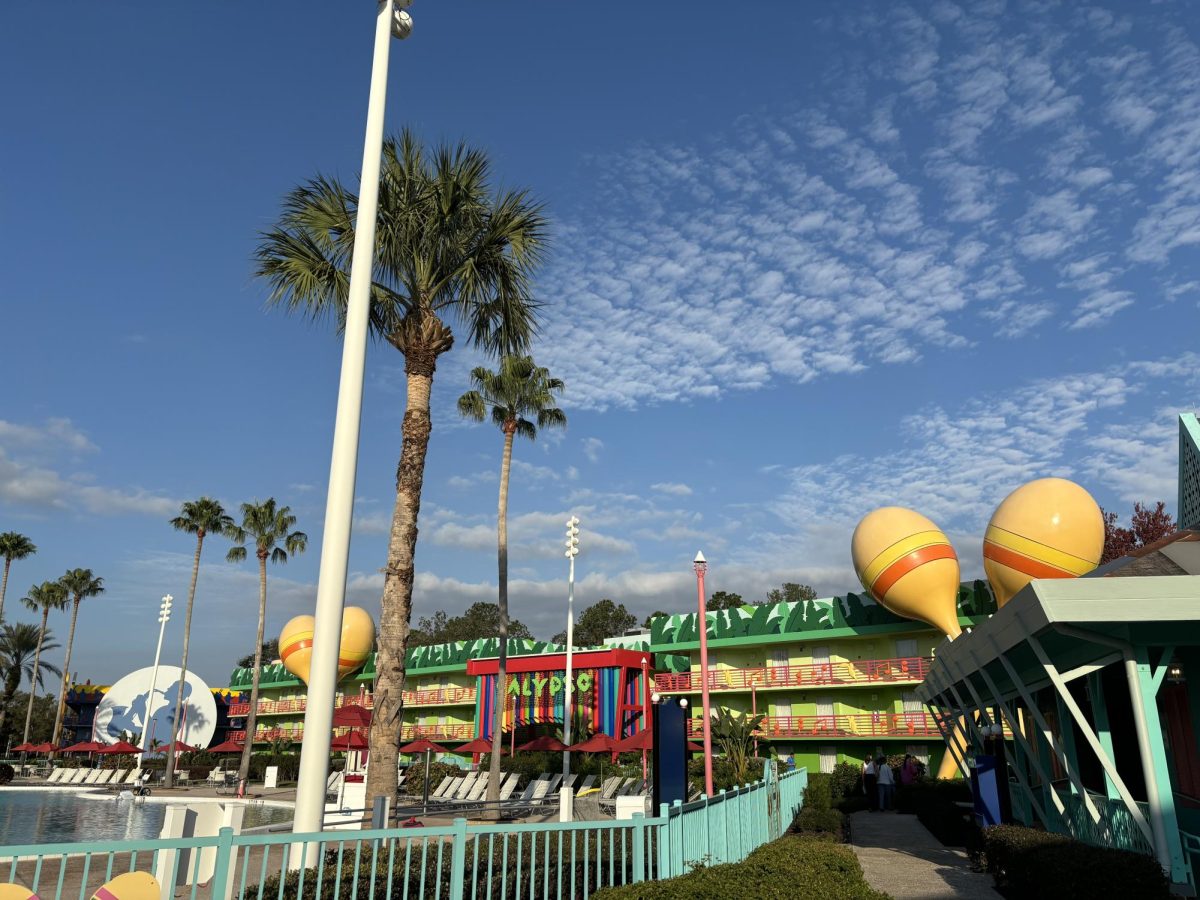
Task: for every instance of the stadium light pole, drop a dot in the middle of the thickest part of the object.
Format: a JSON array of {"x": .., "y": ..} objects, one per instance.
[
  {"x": 164, "y": 614},
  {"x": 572, "y": 545},
  {"x": 391, "y": 21},
  {"x": 701, "y": 566}
]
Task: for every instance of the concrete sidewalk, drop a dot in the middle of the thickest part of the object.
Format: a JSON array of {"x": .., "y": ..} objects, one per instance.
[{"x": 899, "y": 856}]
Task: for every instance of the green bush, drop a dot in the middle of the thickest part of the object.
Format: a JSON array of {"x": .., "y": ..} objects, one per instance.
[
  {"x": 6, "y": 773},
  {"x": 821, "y": 822},
  {"x": 415, "y": 776},
  {"x": 791, "y": 868},
  {"x": 1034, "y": 864},
  {"x": 819, "y": 792},
  {"x": 846, "y": 781}
]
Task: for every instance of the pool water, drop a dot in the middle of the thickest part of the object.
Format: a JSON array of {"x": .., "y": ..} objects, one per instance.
[{"x": 48, "y": 817}]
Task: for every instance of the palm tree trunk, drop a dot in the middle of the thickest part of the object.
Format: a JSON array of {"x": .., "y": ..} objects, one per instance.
[
  {"x": 169, "y": 773},
  {"x": 493, "y": 786},
  {"x": 395, "y": 612},
  {"x": 252, "y": 716},
  {"x": 4, "y": 586},
  {"x": 66, "y": 676},
  {"x": 33, "y": 678}
]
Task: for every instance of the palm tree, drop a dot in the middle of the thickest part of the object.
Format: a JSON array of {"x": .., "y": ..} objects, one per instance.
[
  {"x": 199, "y": 517},
  {"x": 19, "y": 645},
  {"x": 12, "y": 546},
  {"x": 447, "y": 249},
  {"x": 44, "y": 597},
  {"x": 269, "y": 527},
  {"x": 518, "y": 390},
  {"x": 79, "y": 583}
]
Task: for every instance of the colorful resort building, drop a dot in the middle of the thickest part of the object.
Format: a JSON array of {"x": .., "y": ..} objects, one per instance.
[{"x": 835, "y": 679}]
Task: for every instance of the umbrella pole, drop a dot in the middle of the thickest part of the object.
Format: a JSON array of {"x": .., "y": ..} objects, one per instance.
[{"x": 425, "y": 788}]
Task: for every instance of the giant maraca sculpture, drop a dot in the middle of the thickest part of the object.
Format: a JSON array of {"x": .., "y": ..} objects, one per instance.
[
  {"x": 1049, "y": 528},
  {"x": 908, "y": 565},
  {"x": 358, "y": 637}
]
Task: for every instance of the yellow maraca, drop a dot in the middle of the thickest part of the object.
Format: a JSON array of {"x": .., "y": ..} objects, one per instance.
[
  {"x": 1049, "y": 528},
  {"x": 908, "y": 565},
  {"x": 357, "y": 640}
]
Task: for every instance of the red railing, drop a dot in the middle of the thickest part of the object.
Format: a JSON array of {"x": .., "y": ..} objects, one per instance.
[
  {"x": 431, "y": 697},
  {"x": 897, "y": 725},
  {"x": 409, "y": 732},
  {"x": 862, "y": 671}
]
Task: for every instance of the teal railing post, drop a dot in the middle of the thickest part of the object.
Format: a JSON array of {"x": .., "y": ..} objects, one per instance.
[
  {"x": 458, "y": 859},
  {"x": 708, "y": 857},
  {"x": 664, "y": 841},
  {"x": 221, "y": 874},
  {"x": 723, "y": 806},
  {"x": 639, "y": 847}
]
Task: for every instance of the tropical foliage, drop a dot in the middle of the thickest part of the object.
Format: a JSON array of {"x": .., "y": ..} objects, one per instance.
[
  {"x": 12, "y": 546},
  {"x": 449, "y": 250},
  {"x": 20, "y": 660},
  {"x": 44, "y": 597},
  {"x": 200, "y": 517},
  {"x": 603, "y": 619},
  {"x": 269, "y": 528},
  {"x": 734, "y": 733},
  {"x": 479, "y": 620},
  {"x": 80, "y": 585},
  {"x": 521, "y": 398}
]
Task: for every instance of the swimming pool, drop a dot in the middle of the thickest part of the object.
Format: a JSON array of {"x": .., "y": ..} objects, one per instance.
[{"x": 47, "y": 817}]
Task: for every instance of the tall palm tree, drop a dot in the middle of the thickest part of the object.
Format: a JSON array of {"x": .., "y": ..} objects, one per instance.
[
  {"x": 12, "y": 546},
  {"x": 19, "y": 645},
  {"x": 269, "y": 527},
  {"x": 448, "y": 250},
  {"x": 519, "y": 390},
  {"x": 80, "y": 584},
  {"x": 199, "y": 517},
  {"x": 41, "y": 597}
]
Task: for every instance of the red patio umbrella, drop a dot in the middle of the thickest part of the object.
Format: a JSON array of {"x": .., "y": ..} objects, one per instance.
[
  {"x": 642, "y": 740},
  {"x": 545, "y": 742},
  {"x": 180, "y": 747},
  {"x": 229, "y": 746},
  {"x": 353, "y": 741},
  {"x": 120, "y": 747},
  {"x": 23, "y": 748},
  {"x": 597, "y": 743},
  {"x": 693, "y": 747},
  {"x": 353, "y": 715},
  {"x": 83, "y": 747},
  {"x": 43, "y": 748},
  {"x": 420, "y": 745},
  {"x": 479, "y": 745}
]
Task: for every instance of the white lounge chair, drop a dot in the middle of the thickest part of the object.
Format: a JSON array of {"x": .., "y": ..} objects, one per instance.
[
  {"x": 447, "y": 788},
  {"x": 92, "y": 775},
  {"x": 134, "y": 776},
  {"x": 184, "y": 778},
  {"x": 468, "y": 785},
  {"x": 476, "y": 793},
  {"x": 56, "y": 776},
  {"x": 104, "y": 777},
  {"x": 77, "y": 776}
]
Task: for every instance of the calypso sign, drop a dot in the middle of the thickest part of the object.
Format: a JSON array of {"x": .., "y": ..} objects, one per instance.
[{"x": 534, "y": 684}]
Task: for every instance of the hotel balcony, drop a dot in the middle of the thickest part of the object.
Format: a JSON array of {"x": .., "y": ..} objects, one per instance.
[
  {"x": 906, "y": 670},
  {"x": 435, "y": 697},
  {"x": 858, "y": 725},
  {"x": 435, "y": 733}
]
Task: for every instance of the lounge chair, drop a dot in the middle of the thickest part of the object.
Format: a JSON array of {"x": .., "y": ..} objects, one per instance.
[
  {"x": 134, "y": 776},
  {"x": 215, "y": 776},
  {"x": 586, "y": 784},
  {"x": 610, "y": 786},
  {"x": 104, "y": 777},
  {"x": 555, "y": 781},
  {"x": 467, "y": 786},
  {"x": 569, "y": 781},
  {"x": 541, "y": 788},
  {"x": 56, "y": 776},
  {"x": 447, "y": 788},
  {"x": 117, "y": 777},
  {"x": 480, "y": 789},
  {"x": 184, "y": 778},
  {"x": 91, "y": 776}
]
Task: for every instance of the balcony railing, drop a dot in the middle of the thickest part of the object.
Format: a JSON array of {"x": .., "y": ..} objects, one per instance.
[
  {"x": 870, "y": 725},
  {"x": 409, "y": 732},
  {"x": 433, "y": 697},
  {"x": 862, "y": 671}
]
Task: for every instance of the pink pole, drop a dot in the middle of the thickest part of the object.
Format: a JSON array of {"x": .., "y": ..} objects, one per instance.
[
  {"x": 754, "y": 712},
  {"x": 701, "y": 566},
  {"x": 645, "y": 712}
]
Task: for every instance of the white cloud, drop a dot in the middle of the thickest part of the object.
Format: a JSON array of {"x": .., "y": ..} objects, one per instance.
[
  {"x": 591, "y": 448},
  {"x": 54, "y": 433},
  {"x": 673, "y": 488}
]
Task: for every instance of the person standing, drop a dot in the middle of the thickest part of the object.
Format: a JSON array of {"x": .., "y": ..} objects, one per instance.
[
  {"x": 868, "y": 779},
  {"x": 886, "y": 783},
  {"x": 908, "y": 771}
]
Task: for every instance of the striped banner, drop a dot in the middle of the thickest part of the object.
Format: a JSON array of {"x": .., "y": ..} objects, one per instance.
[{"x": 595, "y": 709}]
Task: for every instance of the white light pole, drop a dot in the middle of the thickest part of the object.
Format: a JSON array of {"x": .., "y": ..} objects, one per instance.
[
  {"x": 568, "y": 685},
  {"x": 164, "y": 614},
  {"x": 390, "y": 21}
]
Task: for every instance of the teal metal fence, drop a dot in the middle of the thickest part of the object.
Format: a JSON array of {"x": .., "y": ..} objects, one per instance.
[{"x": 460, "y": 861}]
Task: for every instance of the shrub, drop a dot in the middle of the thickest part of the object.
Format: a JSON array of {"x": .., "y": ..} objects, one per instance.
[
  {"x": 821, "y": 822},
  {"x": 846, "y": 781},
  {"x": 415, "y": 776},
  {"x": 6, "y": 773},
  {"x": 819, "y": 792},
  {"x": 1034, "y": 864},
  {"x": 793, "y": 867}
]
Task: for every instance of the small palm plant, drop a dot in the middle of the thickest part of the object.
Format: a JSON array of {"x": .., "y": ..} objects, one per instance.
[
  {"x": 19, "y": 646},
  {"x": 734, "y": 734},
  {"x": 199, "y": 517},
  {"x": 270, "y": 528},
  {"x": 519, "y": 390},
  {"x": 80, "y": 584},
  {"x": 12, "y": 546},
  {"x": 41, "y": 598}
]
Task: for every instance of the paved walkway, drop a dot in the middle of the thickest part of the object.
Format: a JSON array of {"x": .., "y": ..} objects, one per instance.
[{"x": 899, "y": 856}]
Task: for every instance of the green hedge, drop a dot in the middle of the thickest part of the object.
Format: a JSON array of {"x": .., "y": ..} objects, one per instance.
[
  {"x": 935, "y": 801},
  {"x": 791, "y": 868},
  {"x": 1034, "y": 864},
  {"x": 825, "y": 823}
]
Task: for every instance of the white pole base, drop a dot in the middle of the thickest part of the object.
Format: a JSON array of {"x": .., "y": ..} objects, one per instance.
[{"x": 566, "y": 805}]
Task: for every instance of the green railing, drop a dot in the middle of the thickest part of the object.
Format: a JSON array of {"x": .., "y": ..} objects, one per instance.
[{"x": 460, "y": 861}]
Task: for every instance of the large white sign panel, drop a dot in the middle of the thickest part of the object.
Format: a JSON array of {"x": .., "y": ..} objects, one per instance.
[{"x": 124, "y": 709}]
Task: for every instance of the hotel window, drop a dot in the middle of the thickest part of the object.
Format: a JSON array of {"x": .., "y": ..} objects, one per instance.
[
  {"x": 906, "y": 648},
  {"x": 919, "y": 751},
  {"x": 828, "y": 759}
]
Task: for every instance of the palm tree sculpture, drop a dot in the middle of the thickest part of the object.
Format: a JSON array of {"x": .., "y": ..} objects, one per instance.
[
  {"x": 79, "y": 583},
  {"x": 44, "y": 597},
  {"x": 12, "y": 546},
  {"x": 447, "y": 247},
  {"x": 199, "y": 517},
  {"x": 269, "y": 527},
  {"x": 19, "y": 645},
  {"x": 518, "y": 390}
]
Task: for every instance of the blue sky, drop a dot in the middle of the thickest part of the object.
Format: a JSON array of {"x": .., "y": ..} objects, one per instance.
[{"x": 808, "y": 260}]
